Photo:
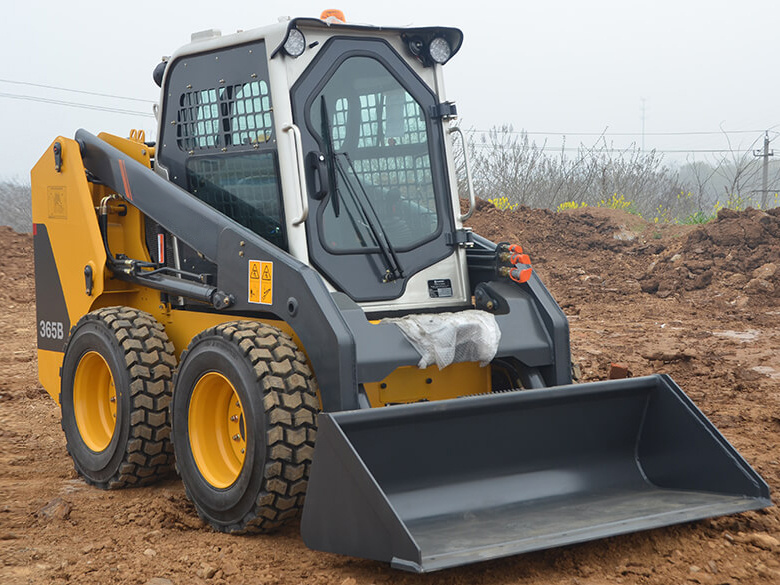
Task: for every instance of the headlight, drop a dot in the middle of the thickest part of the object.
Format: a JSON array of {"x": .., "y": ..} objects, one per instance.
[
  {"x": 295, "y": 43},
  {"x": 440, "y": 50}
]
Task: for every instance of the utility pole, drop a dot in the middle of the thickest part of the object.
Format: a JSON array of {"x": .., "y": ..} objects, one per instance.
[
  {"x": 765, "y": 153},
  {"x": 643, "y": 124}
]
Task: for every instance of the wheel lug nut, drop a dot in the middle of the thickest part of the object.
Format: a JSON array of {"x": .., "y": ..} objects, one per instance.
[
  {"x": 112, "y": 399},
  {"x": 236, "y": 437},
  {"x": 234, "y": 418}
]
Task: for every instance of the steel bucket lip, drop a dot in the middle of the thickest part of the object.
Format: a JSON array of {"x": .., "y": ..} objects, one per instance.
[{"x": 430, "y": 562}]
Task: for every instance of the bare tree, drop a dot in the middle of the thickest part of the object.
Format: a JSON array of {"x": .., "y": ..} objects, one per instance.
[
  {"x": 698, "y": 178},
  {"x": 733, "y": 179},
  {"x": 742, "y": 172},
  {"x": 15, "y": 206},
  {"x": 509, "y": 164}
]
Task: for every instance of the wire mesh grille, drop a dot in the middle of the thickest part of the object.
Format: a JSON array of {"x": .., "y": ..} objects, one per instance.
[
  {"x": 411, "y": 175},
  {"x": 228, "y": 116},
  {"x": 243, "y": 187}
]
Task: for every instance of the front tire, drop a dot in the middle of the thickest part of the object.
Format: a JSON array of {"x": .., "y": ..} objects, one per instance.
[
  {"x": 243, "y": 412},
  {"x": 115, "y": 394}
]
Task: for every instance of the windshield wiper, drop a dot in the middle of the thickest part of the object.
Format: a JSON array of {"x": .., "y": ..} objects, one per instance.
[
  {"x": 393, "y": 268},
  {"x": 329, "y": 156}
]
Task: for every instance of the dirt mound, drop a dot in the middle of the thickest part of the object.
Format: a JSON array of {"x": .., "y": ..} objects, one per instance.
[
  {"x": 599, "y": 251},
  {"x": 577, "y": 253},
  {"x": 739, "y": 251},
  {"x": 16, "y": 267},
  {"x": 539, "y": 229}
]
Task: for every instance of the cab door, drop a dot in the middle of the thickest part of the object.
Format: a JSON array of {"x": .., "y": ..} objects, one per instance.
[{"x": 379, "y": 195}]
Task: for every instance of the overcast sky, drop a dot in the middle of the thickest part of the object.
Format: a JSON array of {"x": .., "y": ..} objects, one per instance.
[{"x": 557, "y": 67}]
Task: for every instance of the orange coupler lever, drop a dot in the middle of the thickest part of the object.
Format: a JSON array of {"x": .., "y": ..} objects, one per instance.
[
  {"x": 521, "y": 273},
  {"x": 521, "y": 270}
]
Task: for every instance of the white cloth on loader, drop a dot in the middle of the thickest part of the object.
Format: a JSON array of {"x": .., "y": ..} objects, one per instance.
[{"x": 446, "y": 338}]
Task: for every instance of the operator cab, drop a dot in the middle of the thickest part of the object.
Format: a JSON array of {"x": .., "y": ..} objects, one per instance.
[{"x": 332, "y": 142}]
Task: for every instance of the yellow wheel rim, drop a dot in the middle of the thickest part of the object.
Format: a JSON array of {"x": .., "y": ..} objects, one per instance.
[
  {"x": 217, "y": 431},
  {"x": 94, "y": 401}
]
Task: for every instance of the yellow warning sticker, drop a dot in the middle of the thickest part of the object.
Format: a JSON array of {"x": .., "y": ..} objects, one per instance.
[{"x": 261, "y": 282}]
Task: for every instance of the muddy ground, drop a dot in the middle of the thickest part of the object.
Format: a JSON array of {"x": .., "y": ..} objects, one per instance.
[{"x": 701, "y": 303}]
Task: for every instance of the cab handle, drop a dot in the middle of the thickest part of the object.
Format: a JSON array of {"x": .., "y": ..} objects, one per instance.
[
  {"x": 298, "y": 146},
  {"x": 467, "y": 164}
]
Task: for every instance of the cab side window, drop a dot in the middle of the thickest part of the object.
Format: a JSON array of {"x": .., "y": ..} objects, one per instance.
[
  {"x": 220, "y": 143},
  {"x": 244, "y": 187}
]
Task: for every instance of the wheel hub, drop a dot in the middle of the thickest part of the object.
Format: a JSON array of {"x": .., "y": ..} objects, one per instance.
[
  {"x": 94, "y": 401},
  {"x": 217, "y": 430}
]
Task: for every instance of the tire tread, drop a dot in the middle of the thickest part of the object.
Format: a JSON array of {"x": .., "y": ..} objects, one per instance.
[
  {"x": 150, "y": 359},
  {"x": 290, "y": 402}
]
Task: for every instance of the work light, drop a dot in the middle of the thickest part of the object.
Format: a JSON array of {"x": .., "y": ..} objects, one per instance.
[
  {"x": 440, "y": 50},
  {"x": 295, "y": 43}
]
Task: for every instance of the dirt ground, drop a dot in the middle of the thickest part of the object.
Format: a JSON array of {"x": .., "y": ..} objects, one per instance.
[{"x": 700, "y": 303}]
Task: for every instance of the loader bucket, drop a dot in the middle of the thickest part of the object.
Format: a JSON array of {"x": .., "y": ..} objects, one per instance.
[{"x": 433, "y": 485}]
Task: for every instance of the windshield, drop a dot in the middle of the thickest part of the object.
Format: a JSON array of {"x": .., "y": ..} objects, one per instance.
[{"x": 379, "y": 132}]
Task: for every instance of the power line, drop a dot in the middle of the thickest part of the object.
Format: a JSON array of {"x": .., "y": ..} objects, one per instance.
[
  {"x": 705, "y": 150},
  {"x": 31, "y": 98},
  {"x": 702, "y": 133},
  {"x": 514, "y": 132},
  {"x": 658, "y": 150},
  {"x": 518, "y": 132},
  {"x": 108, "y": 95}
]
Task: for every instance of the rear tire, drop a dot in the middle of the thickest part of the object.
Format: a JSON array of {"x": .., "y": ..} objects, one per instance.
[
  {"x": 115, "y": 394},
  {"x": 244, "y": 423}
]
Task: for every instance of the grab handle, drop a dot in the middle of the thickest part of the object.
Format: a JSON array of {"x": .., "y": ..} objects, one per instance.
[
  {"x": 298, "y": 144},
  {"x": 467, "y": 164}
]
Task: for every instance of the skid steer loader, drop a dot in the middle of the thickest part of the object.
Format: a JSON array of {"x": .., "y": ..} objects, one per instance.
[{"x": 288, "y": 259}]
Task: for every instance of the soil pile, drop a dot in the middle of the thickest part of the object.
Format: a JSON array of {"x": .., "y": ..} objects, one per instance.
[
  {"x": 541, "y": 230},
  {"x": 739, "y": 251},
  {"x": 577, "y": 253},
  {"x": 16, "y": 267},
  {"x": 734, "y": 259}
]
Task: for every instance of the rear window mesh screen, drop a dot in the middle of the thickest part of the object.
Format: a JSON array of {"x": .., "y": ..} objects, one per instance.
[
  {"x": 339, "y": 125},
  {"x": 405, "y": 123},
  {"x": 406, "y": 173},
  {"x": 245, "y": 188},
  {"x": 226, "y": 116},
  {"x": 393, "y": 122}
]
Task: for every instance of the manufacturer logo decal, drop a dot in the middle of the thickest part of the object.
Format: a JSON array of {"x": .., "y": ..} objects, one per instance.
[{"x": 58, "y": 202}]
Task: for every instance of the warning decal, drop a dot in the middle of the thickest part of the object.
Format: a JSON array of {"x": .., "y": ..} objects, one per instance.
[{"x": 261, "y": 282}]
